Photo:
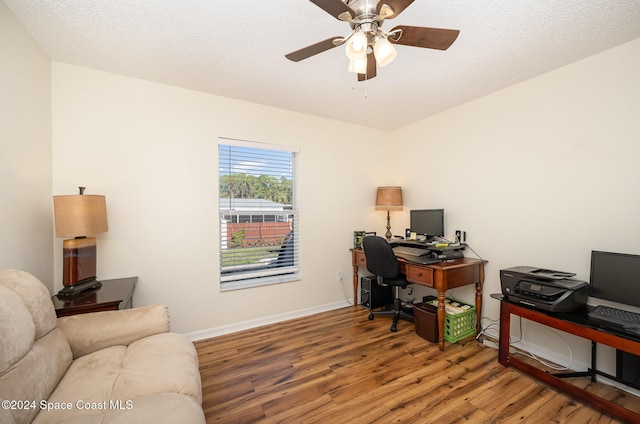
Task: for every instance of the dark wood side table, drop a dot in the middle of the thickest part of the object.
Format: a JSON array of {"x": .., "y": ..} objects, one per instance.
[
  {"x": 113, "y": 295},
  {"x": 576, "y": 323}
]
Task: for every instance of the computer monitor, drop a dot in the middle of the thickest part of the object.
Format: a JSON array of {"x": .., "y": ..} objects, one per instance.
[
  {"x": 615, "y": 277},
  {"x": 429, "y": 222}
]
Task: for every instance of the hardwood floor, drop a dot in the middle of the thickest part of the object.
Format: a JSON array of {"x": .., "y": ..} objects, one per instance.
[{"x": 339, "y": 367}]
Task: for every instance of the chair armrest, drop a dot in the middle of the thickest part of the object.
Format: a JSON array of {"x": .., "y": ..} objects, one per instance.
[{"x": 91, "y": 332}]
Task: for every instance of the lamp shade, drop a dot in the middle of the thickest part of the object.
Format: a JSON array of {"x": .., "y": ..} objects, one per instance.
[
  {"x": 358, "y": 66},
  {"x": 80, "y": 215},
  {"x": 384, "y": 52},
  {"x": 389, "y": 198},
  {"x": 356, "y": 47}
]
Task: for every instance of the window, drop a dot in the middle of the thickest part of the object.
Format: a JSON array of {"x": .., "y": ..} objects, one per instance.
[{"x": 258, "y": 214}]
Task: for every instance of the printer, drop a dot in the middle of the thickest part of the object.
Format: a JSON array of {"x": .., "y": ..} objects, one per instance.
[{"x": 545, "y": 289}]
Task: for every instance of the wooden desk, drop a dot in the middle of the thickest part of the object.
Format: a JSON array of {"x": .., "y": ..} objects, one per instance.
[
  {"x": 113, "y": 295},
  {"x": 596, "y": 335},
  {"x": 441, "y": 276}
]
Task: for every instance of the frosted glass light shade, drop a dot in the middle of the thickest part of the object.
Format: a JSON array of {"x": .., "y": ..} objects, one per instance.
[
  {"x": 356, "y": 47},
  {"x": 384, "y": 52},
  {"x": 358, "y": 66}
]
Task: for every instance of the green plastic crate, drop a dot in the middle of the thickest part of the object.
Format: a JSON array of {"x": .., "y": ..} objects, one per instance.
[{"x": 458, "y": 326}]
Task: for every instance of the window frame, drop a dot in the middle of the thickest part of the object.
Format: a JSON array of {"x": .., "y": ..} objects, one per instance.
[{"x": 243, "y": 276}]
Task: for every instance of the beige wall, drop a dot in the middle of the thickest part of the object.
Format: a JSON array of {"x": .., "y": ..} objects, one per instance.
[
  {"x": 152, "y": 150},
  {"x": 26, "y": 227},
  {"x": 537, "y": 174}
]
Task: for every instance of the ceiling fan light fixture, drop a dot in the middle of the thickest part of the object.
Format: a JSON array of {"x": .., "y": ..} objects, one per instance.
[
  {"x": 384, "y": 52},
  {"x": 358, "y": 66},
  {"x": 368, "y": 46},
  {"x": 356, "y": 47},
  {"x": 386, "y": 11}
]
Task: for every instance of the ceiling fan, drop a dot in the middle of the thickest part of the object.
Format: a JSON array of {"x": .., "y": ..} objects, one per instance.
[{"x": 368, "y": 43}]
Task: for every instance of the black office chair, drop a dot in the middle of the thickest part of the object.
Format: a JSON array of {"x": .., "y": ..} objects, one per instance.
[
  {"x": 382, "y": 262},
  {"x": 285, "y": 254}
]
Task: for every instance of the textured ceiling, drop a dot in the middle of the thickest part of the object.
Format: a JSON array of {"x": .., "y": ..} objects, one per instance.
[{"x": 236, "y": 49}]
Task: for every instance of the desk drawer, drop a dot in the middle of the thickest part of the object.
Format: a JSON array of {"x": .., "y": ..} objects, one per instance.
[
  {"x": 420, "y": 275},
  {"x": 359, "y": 259}
]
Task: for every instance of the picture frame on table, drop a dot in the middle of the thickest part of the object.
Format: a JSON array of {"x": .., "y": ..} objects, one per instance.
[{"x": 359, "y": 235}]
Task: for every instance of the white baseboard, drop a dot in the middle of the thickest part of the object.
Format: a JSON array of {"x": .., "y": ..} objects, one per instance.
[{"x": 245, "y": 325}]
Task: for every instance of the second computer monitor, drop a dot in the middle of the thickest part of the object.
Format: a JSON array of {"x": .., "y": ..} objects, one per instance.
[{"x": 429, "y": 222}]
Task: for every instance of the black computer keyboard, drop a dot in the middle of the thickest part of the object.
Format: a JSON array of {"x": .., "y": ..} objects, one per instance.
[{"x": 614, "y": 316}]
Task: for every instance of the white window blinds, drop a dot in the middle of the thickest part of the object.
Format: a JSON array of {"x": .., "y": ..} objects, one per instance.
[{"x": 258, "y": 214}]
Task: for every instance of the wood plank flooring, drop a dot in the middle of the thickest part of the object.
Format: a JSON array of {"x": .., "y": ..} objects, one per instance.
[{"x": 339, "y": 367}]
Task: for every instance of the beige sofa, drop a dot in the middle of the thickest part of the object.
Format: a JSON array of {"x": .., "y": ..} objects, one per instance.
[{"x": 104, "y": 367}]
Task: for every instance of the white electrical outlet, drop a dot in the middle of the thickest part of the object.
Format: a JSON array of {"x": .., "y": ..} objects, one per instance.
[
  {"x": 461, "y": 236},
  {"x": 339, "y": 276}
]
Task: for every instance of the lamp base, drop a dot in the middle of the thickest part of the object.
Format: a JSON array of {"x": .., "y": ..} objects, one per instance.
[
  {"x": 388, "y": 233},
  {"x": 74, "y": 289},
  {"x": 78, "y": 260}
]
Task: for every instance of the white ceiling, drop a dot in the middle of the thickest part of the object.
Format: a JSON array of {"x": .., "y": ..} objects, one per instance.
[{"x": 236, "y": 49}]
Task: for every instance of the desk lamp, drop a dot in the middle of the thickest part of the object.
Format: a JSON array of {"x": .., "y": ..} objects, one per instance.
[
  {"x": 389, "y": 199},
  {"x": 79, "y": 216}
]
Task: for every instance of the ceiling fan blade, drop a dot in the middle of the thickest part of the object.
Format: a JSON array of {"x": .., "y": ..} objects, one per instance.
[
  {"x": 312, "y": 50},
  {"x": 393, "y": 8},
  {"x": 430, "y": 38},
  {"x": 336, "y": 8},
  {"x": 371, "y": 68}
]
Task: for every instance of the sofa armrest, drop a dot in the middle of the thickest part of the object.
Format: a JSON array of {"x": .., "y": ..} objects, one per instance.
[{"x": 97, "y": 330}]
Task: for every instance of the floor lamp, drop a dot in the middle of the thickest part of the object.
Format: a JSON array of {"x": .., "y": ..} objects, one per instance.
[{"x": 389, "y": 199}]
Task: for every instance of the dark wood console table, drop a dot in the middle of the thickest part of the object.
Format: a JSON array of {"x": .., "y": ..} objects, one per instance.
[
  {"x": 441, "y": 276},
  {"x": 113, "y": 295},
  {"x": 576, "y": 324}
]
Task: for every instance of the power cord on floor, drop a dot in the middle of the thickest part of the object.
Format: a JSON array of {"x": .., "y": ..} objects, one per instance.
[
  {"x": 527, "y": 352},
  {"x": 484, "y": 336},
  {"x": 350, "y": 301},
  {"x": 484, "y": 331}
]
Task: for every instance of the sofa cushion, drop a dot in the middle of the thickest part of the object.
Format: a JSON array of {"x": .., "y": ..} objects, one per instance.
[
  {"x": 160, "y": 364},
  {"x": 34, "y": 353},
  {"x": 34, "y": 377},
  {"x": 5, "y": 414},
  {"x": 163, "y": 363},
  {"x": 34, "y": 295},
  {"x": 16, "y": 327},
  {"x": 91, "y": 332}
]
